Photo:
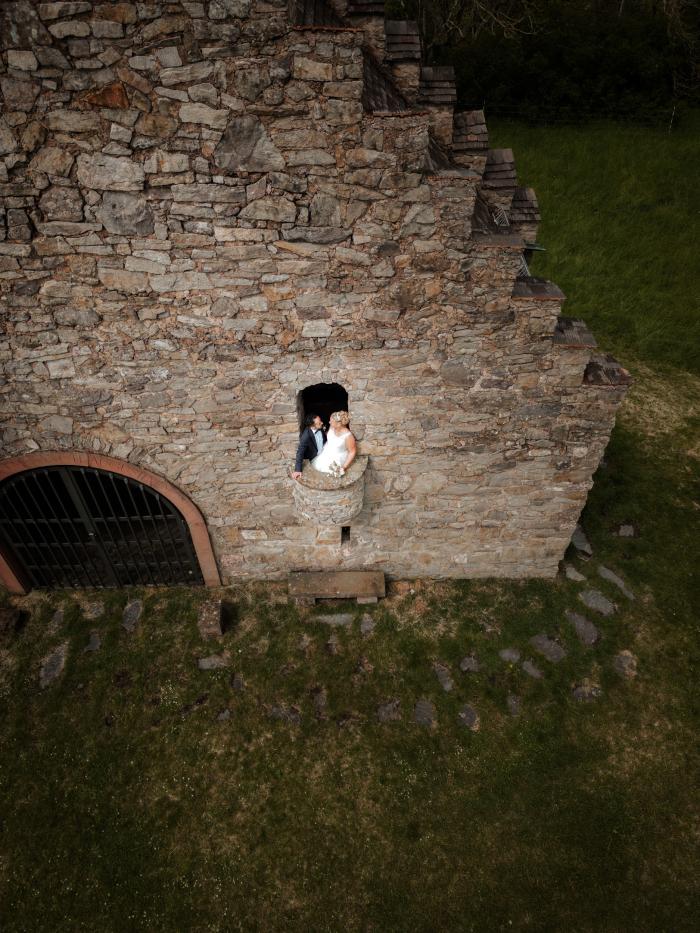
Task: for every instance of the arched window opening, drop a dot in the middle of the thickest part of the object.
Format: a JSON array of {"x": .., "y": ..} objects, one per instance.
[
  {"x": 321, "y": 399},
  {"x": 76, "y": 526}
]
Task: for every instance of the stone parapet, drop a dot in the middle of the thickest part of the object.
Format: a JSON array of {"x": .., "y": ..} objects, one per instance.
[{"x": 323, "y": 499}]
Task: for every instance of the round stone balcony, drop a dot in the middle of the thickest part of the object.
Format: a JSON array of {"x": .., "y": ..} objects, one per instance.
[{"x": 328, "y": 500}]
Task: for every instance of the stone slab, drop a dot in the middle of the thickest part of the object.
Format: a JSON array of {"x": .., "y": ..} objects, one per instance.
[
  {"x": 595, "y": 600},
  {"x": 341, "y": 584},
  {"x": 333, "y": 619},
  {"x": 546, "y": 646},
  {"x": 616, "y": 580},
  {"x": 587, "y": 632},
  {"x": 209, "y": 619},
  {"x": 469, "y": 717},
  {"x": 52, "y": 665},
  {"x": 424, "y": 714}
]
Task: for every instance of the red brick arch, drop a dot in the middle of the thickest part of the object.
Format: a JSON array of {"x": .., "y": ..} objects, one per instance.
[{"x": 189, "y": 511}]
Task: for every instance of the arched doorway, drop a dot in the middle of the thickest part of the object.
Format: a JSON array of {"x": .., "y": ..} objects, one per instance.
[
  {"x": 83, "y": 520},
  {"x": 321, "y": 399}
]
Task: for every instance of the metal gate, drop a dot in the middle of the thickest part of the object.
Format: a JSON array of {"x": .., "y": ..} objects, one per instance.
[{"x": 69, "y": 526}]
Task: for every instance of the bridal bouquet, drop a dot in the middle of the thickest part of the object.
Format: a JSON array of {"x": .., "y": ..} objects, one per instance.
[{"x": 335, "y": 470}]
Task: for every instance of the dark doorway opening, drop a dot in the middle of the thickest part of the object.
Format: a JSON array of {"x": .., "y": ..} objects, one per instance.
[
  {"x": 68, "y": 526},
  {"x": 322, "y": 399}
]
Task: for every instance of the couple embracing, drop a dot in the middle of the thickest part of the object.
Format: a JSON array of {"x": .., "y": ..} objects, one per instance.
[{"x": 331, "y": 452}]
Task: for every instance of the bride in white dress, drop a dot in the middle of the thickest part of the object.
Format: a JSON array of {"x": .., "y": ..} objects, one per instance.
[{"x": 340, "y": 448}]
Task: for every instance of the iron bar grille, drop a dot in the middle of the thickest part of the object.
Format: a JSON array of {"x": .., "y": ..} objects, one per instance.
[{"x": 69, "y": 527}]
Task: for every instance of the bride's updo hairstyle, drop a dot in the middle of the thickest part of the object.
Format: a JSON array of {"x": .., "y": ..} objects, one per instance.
[{"x": 341, "y": 417}]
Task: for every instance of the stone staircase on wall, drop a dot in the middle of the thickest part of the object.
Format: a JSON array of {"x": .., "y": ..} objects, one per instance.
[{"x": 504, "y": 215}]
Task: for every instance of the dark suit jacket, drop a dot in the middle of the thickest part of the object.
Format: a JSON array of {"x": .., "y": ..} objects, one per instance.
[{"x": 307, "y": 448}]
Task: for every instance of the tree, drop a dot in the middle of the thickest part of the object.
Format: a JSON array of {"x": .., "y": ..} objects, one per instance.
[{"x": 446, "y": 23}]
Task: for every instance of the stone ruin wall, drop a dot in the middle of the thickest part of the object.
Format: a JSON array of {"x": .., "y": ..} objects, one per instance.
[{"x": 201, "y": 219}]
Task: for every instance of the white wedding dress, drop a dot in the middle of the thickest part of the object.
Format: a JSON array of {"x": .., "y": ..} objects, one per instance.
[{"x": 334, "y": 451}]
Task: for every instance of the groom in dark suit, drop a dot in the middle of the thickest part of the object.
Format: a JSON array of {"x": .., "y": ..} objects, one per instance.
[{"x": 311, "y": 442}]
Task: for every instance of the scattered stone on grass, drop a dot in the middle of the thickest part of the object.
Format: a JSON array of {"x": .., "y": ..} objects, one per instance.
[
  {"x": 587, "y": 632},
  {"x": 52, "y": 665},
  {"x": 469, "y": 665},
  {"x": 586, "y": 691},
  {"x": 625, "y": 663},
  {"x": 581, "y": 543},
  {"x": 367, "y": 625},
  {"x": 613, "y": 578},
  {"x": 94, "y": 610},
  {"x": 304, "y": 643},
  {"x": 424, "y": 714},
  {"x": 191, "y": 707},
  {"x": 364, "y": 665},
  {"x": 209, "y": 619},
  {"x": 626, "y": 531},
  {"x": 9, "y": 621},
  {"x": 442, "y": 672},
  {"x": 347, "y": 718},
  {"x": 237, "y": 682},
  {"x": 131, "y": 615},
  {"x": 571, "y": 573},
  {"x": 223, "y": 715},
  {"x": 514, "y": 704},
  {"x": 335, "y": 619},
  {"x": 213, "y": 662},
  {"x": 290, "y": 714},
  {"x": 532, "y": 670},
  {"x": 389, "y": 711},
  {"x": 595, "y": 600},
  {"x": 547, "y": 647},
  {"x": 333, "y": 645},
  {"x": 320, "y": 702},
  {"x": 469, "y": 717},
  {"x": 94, "y": 643},
  {"x": 56, "y": 622},
  {"x": 511, "y": 655}
]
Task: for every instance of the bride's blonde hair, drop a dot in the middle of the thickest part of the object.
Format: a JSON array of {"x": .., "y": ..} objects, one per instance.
[{"x": 341, "y": 417}]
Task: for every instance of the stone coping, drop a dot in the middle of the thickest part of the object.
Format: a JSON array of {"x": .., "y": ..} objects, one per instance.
[{"x": 313, "y": 479}]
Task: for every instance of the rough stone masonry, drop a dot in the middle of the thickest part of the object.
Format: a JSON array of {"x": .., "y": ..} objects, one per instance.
[{"x": 209, "y": 206}]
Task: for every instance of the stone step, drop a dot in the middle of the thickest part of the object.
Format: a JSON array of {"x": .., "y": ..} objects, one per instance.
[{"x": 363, "y": 585}]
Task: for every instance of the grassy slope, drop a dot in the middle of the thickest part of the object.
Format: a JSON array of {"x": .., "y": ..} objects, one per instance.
[{"x": 572, "y": 817}]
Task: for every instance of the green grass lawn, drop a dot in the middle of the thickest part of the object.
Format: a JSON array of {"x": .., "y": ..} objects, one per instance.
[
  {"x": 126, "y": 803},
  {"x": 621, "y": 225}
]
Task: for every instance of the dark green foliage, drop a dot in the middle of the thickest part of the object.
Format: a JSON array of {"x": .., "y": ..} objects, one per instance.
[{"x": 570, "y": 60}]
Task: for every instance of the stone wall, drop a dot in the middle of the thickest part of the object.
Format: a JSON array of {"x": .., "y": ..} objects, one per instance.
[{"x": 201, "y": 219}]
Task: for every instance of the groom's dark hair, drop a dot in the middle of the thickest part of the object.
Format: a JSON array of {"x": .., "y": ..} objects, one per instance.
[{"x": 309, "y": 420}]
